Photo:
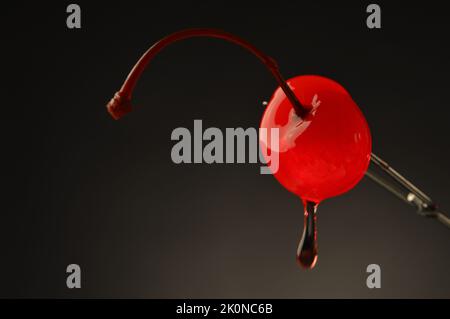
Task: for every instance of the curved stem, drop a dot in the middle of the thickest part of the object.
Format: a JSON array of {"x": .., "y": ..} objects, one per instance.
[{"x": 121, "y": 105}]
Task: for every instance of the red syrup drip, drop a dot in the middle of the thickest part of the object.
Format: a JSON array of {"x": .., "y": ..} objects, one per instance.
[{"x": 307, "y": 248}]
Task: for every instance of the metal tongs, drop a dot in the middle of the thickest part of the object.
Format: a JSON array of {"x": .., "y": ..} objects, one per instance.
[{"x": 381, "y": 173}]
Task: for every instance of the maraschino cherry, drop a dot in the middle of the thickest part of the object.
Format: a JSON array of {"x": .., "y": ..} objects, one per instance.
[
  {"x": 322, "y": 154},
  {"x": 325, "y": 143}
]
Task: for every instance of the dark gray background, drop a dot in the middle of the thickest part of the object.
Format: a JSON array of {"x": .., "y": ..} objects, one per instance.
[{"x": 81, "y": 188}]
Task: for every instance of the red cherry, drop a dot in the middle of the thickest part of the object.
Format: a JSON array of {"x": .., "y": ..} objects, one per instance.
[{"x": 325, "y": 153}]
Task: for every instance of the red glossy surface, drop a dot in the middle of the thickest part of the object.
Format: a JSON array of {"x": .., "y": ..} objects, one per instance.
[{"x": 327, "y": 152}]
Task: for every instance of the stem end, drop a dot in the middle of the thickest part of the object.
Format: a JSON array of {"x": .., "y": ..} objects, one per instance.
[{"x": 119, "y": 105}]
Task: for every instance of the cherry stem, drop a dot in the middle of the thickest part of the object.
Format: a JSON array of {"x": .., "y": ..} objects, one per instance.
[{"x": 121, "y": 105}]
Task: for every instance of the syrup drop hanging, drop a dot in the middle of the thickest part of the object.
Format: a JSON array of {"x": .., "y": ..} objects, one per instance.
[{"x": 307, "y": 248}]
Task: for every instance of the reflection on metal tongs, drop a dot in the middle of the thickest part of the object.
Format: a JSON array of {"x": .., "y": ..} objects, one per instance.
[{"x": 381, "y": 173}]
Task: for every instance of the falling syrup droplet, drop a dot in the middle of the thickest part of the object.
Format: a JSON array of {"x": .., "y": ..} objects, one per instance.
[{"x": 307, "y": 249}]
